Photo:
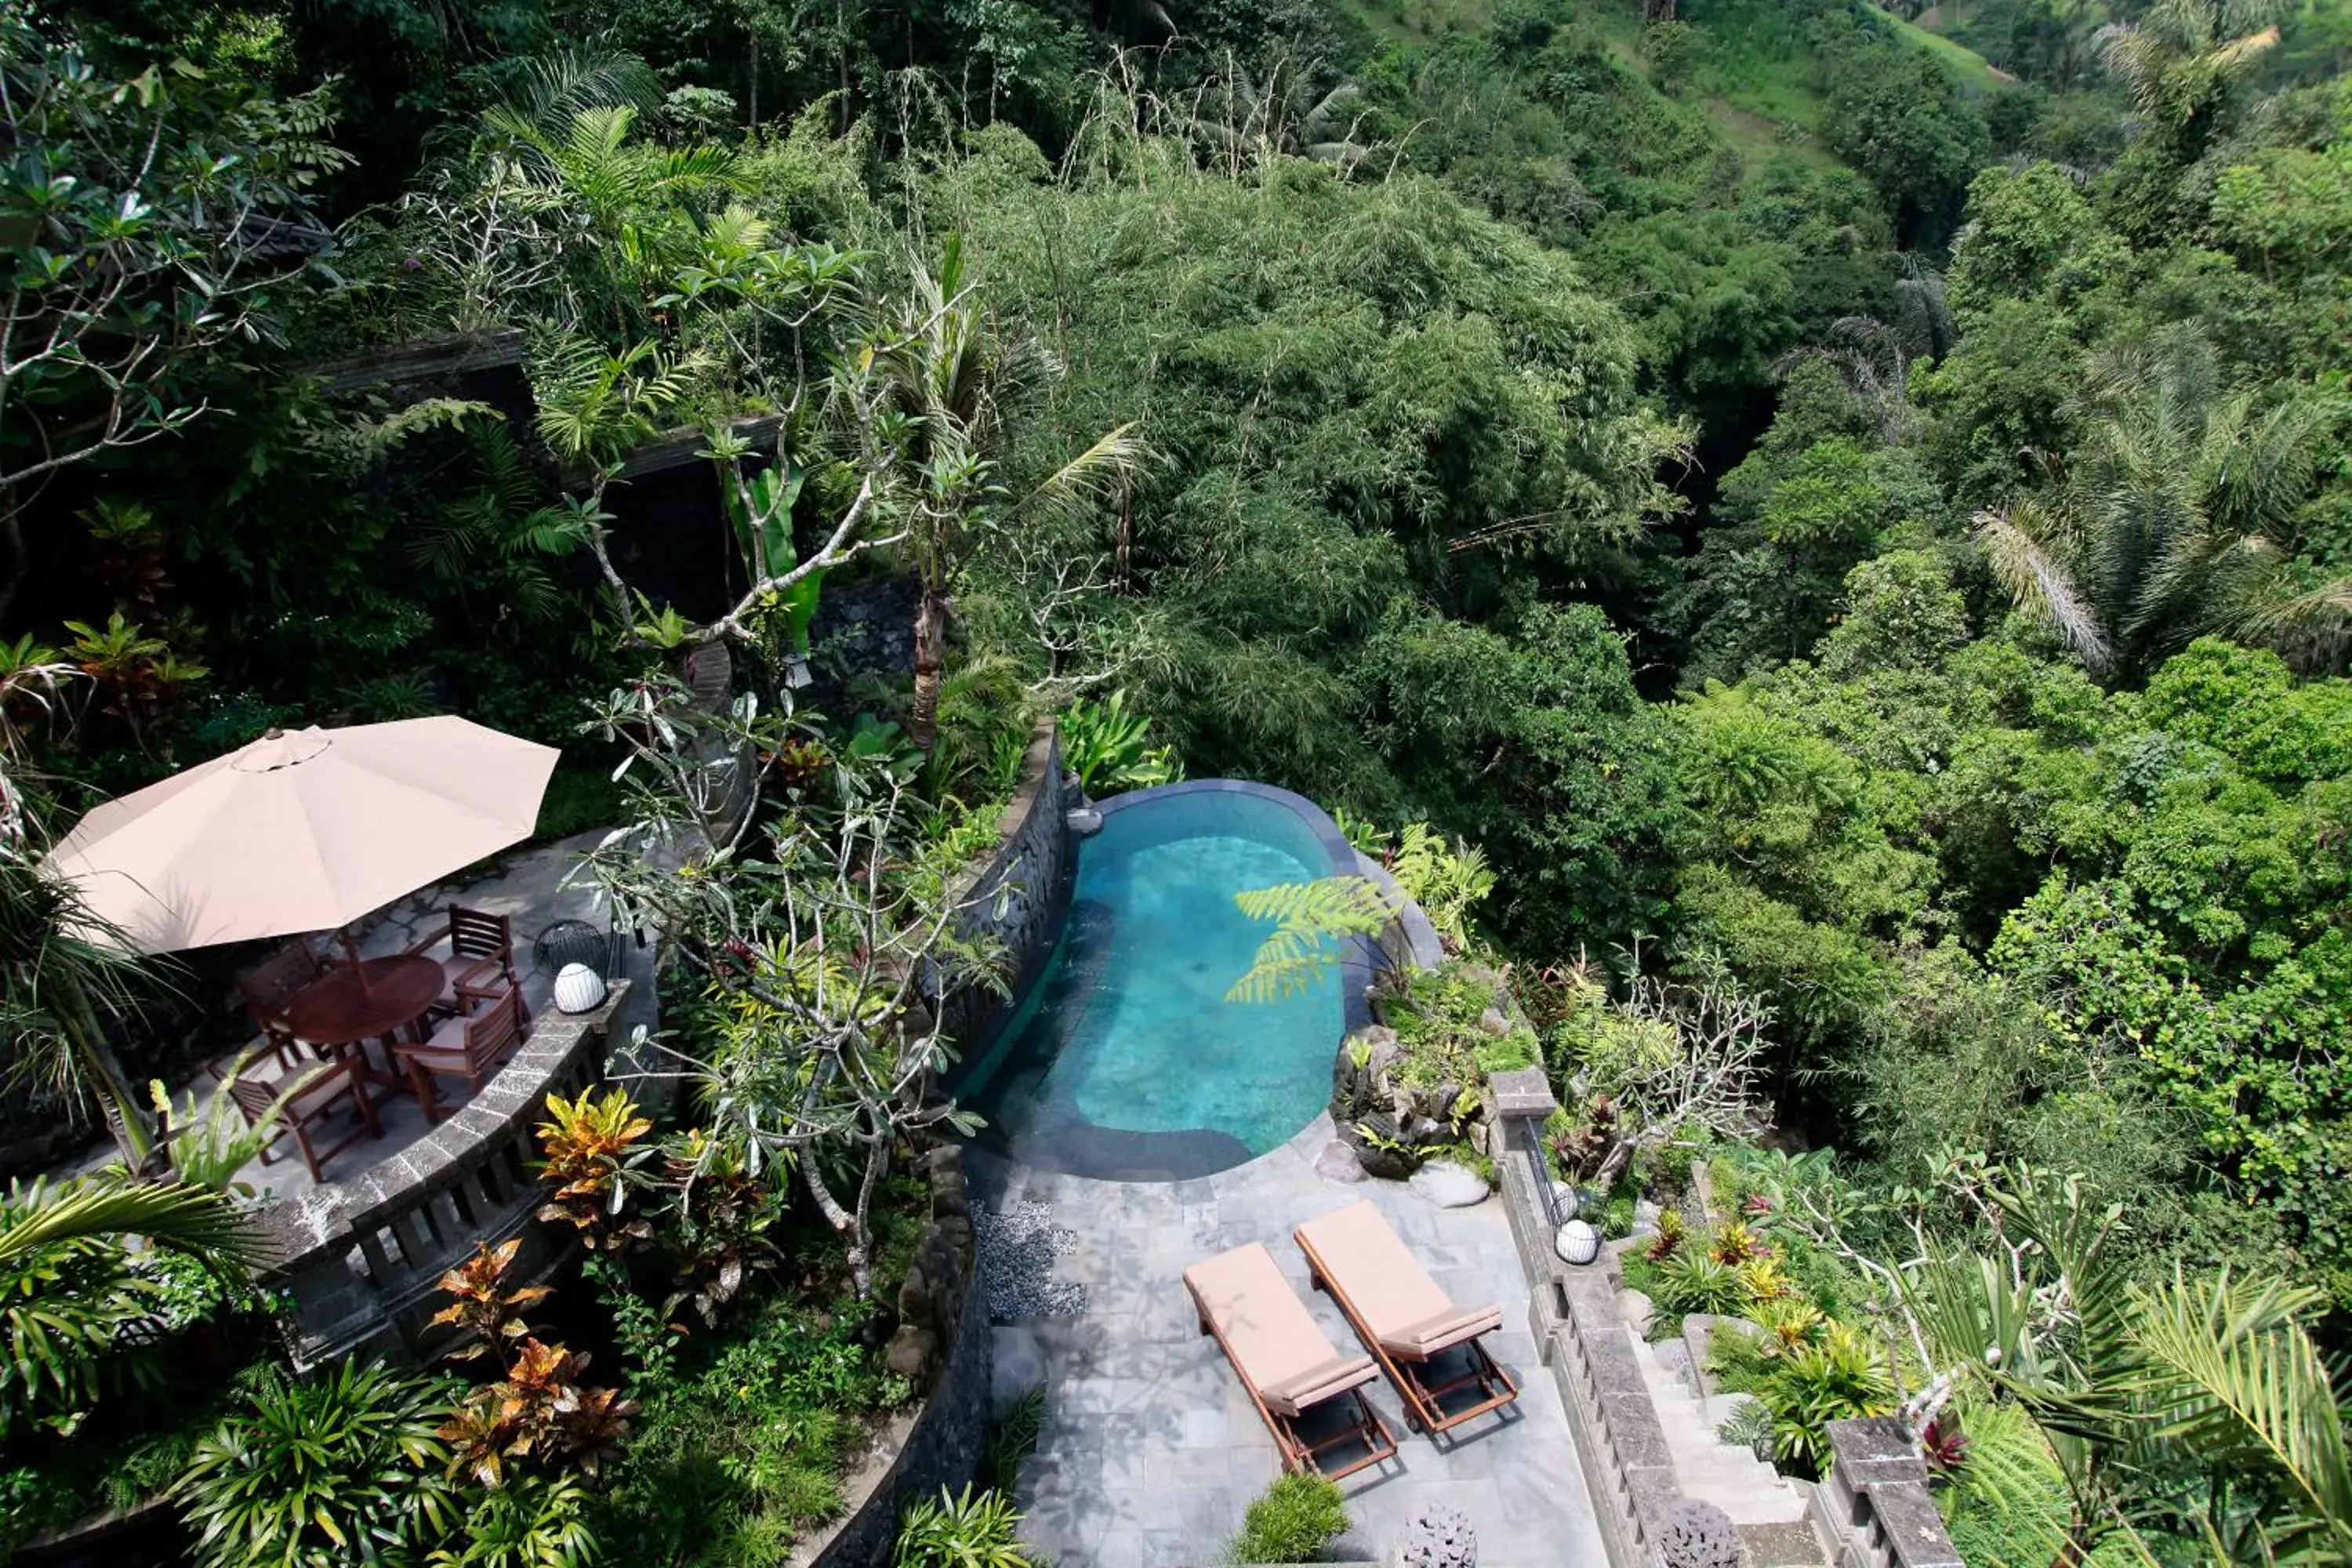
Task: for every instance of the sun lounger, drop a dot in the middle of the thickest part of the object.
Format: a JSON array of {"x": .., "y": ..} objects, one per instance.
[
  {"x": 1428, "y": 1345},
  {"x": 1286, "y": 1361}
]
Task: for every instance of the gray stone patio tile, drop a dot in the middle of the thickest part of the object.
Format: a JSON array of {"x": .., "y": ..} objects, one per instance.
[
  {"x": 1205, "y": 1430},
  {"x": 1115, "y": 1548},
  {"x": 1173, "y": 1449}
]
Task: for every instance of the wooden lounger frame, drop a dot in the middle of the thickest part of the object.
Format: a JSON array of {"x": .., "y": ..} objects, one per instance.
[
  {"x": 1424, "y": 1401},
  {"x": 1298, "y": 1452}
]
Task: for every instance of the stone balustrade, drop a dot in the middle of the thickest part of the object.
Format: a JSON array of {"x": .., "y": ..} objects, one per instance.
[
  {"x": 1874, "y": 1504},
  {"x": 1873, "y": 1510},
  {"x": 360, "y": 1259}
]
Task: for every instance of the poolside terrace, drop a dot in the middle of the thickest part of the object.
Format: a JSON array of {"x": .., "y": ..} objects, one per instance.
[{"x": 1152, "y": 1450}]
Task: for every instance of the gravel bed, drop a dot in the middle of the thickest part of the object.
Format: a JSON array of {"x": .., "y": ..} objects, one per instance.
[{"x": 1018, "y": 1245}]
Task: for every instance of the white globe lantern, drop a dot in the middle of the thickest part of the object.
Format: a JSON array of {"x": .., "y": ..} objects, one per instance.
[
  {"x": 1578, "y": 1241},
  {"x": 578, "y": 988}
]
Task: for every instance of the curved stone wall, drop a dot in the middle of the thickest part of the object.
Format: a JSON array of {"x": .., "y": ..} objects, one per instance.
[
  {"x": 361, "y": 1258},
  {"x": 941, "y": 1445},
  {"x": 1020, "y": 896}
]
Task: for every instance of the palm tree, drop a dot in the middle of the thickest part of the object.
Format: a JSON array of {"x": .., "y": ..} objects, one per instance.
[
  {"x": 69, "y": 1294},
  {"x": 943, "y": 379},
  {"x": 2168, "y": 525},
  {"x": 180, "y": 1215},
  {"x": 64, "y": 974},
  {"x": 1287, "y": 111},
  {"x": 631, "y": 193},
  {"x": 2197, "y": 1407},
  {"x": 2178, "y": 60}
]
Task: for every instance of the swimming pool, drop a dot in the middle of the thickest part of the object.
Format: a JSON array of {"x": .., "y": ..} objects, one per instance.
[{"x": 1124, "y": 1059}]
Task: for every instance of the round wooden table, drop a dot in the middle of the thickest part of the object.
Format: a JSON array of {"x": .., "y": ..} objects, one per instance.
[{"x": 334, "y": 1011}]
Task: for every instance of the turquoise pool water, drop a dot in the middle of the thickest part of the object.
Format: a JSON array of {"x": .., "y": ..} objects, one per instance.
[{"x": 1125, "y": 1058}]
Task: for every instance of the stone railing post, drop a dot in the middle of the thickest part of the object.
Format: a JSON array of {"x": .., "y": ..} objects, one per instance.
[{"x": 1874, "y": 1502}]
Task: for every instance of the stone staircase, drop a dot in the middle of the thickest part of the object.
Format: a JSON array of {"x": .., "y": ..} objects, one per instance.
[
  {"x": 1770, "y": 1510},
  {"x": 1731, "y": 1478}
]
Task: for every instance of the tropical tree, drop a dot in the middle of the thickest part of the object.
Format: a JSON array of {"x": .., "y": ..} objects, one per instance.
[
  {"x": 2168, "y": 525},
  {"x": 945, "y": 377},
  {"x": 2179, "y": 58},
  {"x": 69, "y": 1290},
  {"x": 146, "y": 226},
  {"x": 66, "y": 981},
  {"x": 635, "y": 199},
  {"x": 2195, "y": 1407},
  {"x": 1285, "y": 110},
  {"x": 826, "y": 935}
]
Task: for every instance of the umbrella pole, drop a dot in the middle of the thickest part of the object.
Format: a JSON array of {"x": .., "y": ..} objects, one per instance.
[{"x": 358, "y": 969}]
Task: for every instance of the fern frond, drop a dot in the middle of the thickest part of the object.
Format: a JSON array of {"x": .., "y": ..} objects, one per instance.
[
  {"x": 1311, "y": 919},
  {"x": 1336, "y": 906}
]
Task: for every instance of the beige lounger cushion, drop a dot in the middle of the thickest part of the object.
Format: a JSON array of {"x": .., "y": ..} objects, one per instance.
[
  {"x": 1399, "y": 1303},
  {"x": 1276, "y": 1344},
  {"x": 1426, "y": 1339}
]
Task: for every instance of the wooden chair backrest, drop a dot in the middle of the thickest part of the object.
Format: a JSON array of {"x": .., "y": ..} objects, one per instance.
[
  {"x": 268, "y": 986},
  {"x": 473, "y": 934},
  {"x": 491, "y": 1033},
  {"x": 256, "y": 1099}
]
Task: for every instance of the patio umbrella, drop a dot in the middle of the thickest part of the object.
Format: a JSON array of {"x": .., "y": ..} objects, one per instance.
[{"x": 304, "y": 830}]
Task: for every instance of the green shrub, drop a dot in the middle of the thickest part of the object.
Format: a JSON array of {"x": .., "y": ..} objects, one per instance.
[
  {"x": 348, "y": 1469},
  {"x": 1012, "y": 1440},
  {"x": 1692, "y": 1280},
  {"x": 1837, "y": 1375},
  {"x": 1440, "y": 1033},
  {"x": 973, "y": 1529},
  {"x": 739, "y": 1448},
  {"x": 1293, "y": 1521},
  {"x": 1111, "y": 751}
]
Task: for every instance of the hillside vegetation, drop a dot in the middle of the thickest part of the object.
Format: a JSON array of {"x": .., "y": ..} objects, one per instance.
[{"x": 1846, "y": 511}]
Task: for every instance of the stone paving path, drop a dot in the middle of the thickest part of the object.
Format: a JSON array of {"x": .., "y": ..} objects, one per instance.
[{"x": 1152, "y": 1451}]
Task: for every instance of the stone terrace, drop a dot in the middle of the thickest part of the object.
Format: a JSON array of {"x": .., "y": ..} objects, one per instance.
[
  {"x": 1153, "y": 1452},
  {"x": 526, "y": 886}
]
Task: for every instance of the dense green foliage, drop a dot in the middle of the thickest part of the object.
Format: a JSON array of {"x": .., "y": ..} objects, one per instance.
[
  {"x": 1292, "y": 1521},
  {"x": 1854, "y": 529}
]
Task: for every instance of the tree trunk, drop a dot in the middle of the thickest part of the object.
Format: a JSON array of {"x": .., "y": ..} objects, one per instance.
[{"x": 930, "y": 657}]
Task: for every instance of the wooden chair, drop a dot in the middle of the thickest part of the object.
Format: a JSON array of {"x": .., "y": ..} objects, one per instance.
[
  {"x": 267, "y": 988},
  {"x": 469, "y": 1046},
  {"x": 302, "y": 1098},
  {"x": 1289, "y": 1367},
  {"x": 473, "y": 939}
]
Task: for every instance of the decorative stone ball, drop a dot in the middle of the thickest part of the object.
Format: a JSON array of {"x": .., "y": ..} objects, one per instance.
[
  {"x": 1698, "y": 1535},
  {"x": 578, "y": 988},
  {"x": 1434, "y": 1535},
  {"x": 1578, "y": 1241}
]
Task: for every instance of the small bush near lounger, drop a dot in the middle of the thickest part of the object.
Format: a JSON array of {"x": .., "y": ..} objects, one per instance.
[
  {"x": 1297, "y": 1518},
  {"x": 974, "y": 1530}
]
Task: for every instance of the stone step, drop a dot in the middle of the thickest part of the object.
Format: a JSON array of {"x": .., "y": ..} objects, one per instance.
[{"x": 1726, "y": 1475}]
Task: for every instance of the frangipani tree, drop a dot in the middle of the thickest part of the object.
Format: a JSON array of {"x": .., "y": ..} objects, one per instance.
[
  {"x": 824, "y": 934},
  {"x": 145, "y": 225}
]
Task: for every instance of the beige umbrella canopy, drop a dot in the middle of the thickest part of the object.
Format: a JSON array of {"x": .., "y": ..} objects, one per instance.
[{"x": 303, "y": 831}]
